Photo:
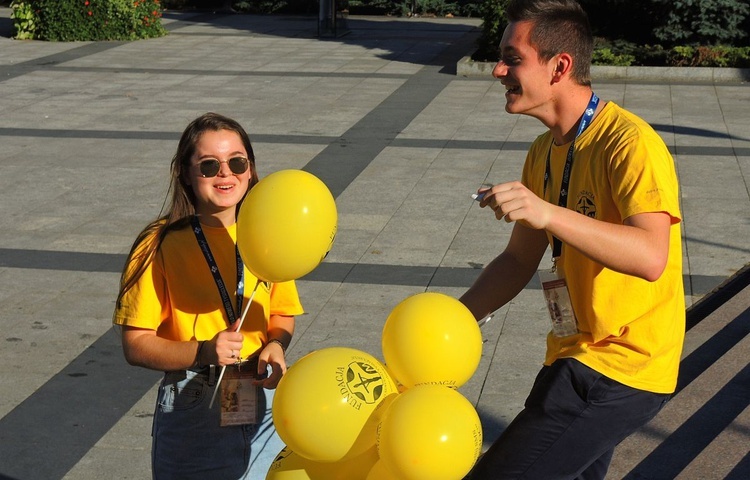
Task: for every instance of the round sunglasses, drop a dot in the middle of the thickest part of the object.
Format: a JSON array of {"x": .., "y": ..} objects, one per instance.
[{"x": 211, "y": 166}]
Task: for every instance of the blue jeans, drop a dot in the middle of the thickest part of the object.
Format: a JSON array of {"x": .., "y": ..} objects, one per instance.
[
  {"x": 571, "y": 422},
  {"x": 189, "y": 443}
]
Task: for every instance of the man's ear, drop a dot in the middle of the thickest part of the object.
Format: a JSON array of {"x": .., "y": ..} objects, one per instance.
[{"x": 563, "y": 66}]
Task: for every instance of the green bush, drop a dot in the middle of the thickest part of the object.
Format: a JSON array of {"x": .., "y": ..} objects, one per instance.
[
  {"x": 708, "y": 33},
  {"x": 86, "y": 20},
  {"x": 25, "y": 21},
  {"x": 711, "y": 56},
  {"x": 605, "y": 56},
  {"x": 705, "y": 22},
  {"x": 440, "y": 8},
  {"x": 493, "y": 25},
  {"x": 623, "y": 53}
]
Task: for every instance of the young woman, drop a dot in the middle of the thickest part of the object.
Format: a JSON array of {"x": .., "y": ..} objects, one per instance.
[{"x": 183, "y": 291}]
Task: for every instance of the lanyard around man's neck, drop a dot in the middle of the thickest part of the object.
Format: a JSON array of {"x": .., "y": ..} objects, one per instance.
[
  {"x": 232, "y": 314},
  {"x": 562, "y": 201}
]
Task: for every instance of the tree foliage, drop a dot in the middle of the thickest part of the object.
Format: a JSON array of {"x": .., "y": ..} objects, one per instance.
[
  {"x": 86, "y": 20},
  {"x": 703, "y": 22},
  {"x": 649, "y": 32}
]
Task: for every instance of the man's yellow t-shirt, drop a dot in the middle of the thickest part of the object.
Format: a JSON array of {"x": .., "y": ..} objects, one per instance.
[
  {"x": 178, "y": 297},
  {"x": 631, "y": 330}
]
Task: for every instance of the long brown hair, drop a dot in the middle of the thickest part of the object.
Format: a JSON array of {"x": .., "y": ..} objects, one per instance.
[{"x": 182, "y": 204}]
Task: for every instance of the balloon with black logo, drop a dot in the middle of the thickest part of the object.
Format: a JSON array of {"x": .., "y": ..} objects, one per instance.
[
  {"x": 290, "y": 466},
  {"x": 431, "y": 338},
  {"x": 328, "y": 405}
]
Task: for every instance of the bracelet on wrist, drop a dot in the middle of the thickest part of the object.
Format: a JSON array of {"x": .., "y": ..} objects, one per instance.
[
  {"x": 198, "y": 354},
  {"x": 276, "y": 340}
]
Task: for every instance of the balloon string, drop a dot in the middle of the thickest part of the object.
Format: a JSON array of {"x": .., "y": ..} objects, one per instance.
[{"x": 239, "y": 325}]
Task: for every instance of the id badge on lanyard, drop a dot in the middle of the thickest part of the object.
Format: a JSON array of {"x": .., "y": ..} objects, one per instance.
[
  {"x": 239, "y": 396},
  {"x": 554, "y": 286},
  {"x": 557, "y": 297}
]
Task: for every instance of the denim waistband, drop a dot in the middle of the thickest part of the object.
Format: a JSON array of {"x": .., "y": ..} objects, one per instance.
[{"x": 249, "y": 365}]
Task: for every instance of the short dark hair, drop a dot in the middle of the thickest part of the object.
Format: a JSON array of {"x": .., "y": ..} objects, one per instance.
[{"x": 557, "y": 26}]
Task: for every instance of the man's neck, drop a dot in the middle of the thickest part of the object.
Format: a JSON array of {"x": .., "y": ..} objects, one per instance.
[{"x": 568, "y": 113}]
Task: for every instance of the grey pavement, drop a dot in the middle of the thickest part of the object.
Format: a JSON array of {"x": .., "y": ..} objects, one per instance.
[{"x": 87, "y": 132}]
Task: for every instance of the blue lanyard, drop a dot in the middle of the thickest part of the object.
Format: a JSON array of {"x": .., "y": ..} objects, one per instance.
[
  {"x": 562, "y": 201},
  {"x": 232, "y": 315}
]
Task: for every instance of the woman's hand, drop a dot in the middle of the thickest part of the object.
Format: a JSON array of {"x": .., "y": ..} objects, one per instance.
[
  {"x": 279, "y": 334},
  {"x": 272, "y": 354},
  {"x": 224, "y": 349}
]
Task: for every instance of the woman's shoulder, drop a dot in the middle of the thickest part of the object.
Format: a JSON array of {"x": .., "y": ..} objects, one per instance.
[
  {"x": 157, "y": 232},
  {"x": 176, "y": 232}
]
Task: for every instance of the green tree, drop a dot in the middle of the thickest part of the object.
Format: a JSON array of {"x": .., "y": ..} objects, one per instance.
[
  {"x": 703, "y": 22},
  {"x": 493, "y": 25}
]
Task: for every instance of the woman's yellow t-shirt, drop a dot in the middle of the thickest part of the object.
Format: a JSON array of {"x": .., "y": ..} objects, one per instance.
[
  {"x": 631, "y": 330},
  {"x": 178, "y": 298}
]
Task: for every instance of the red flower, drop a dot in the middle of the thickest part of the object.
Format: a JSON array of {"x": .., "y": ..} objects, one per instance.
[
  {"x": 86, "y": 3},
  {"x": 90, "y": 13}
]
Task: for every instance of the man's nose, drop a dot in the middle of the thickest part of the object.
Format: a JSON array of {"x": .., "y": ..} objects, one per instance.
[{"x": 500, "y": 69}]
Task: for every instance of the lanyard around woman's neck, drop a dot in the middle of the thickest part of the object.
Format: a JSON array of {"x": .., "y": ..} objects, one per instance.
[
  {"x": 232, "y": 314},
  {"x": 562, "y": 201}
]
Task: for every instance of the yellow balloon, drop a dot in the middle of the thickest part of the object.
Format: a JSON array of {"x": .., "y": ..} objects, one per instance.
[
  {"x": 379, "y": 472},
  {"x": 429, "y": 432},
  {"x": 286, "y": 225},
  {"x": 431, "y": 338},
  {"x": 329, "y": 403},
  {"x": 290, "y": 466}
]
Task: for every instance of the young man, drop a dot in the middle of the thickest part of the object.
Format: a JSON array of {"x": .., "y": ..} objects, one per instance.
[{"x": 600, "y": 188}]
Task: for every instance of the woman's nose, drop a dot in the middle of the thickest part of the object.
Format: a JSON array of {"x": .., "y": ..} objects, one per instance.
[{"x": 224, "y": 170}]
